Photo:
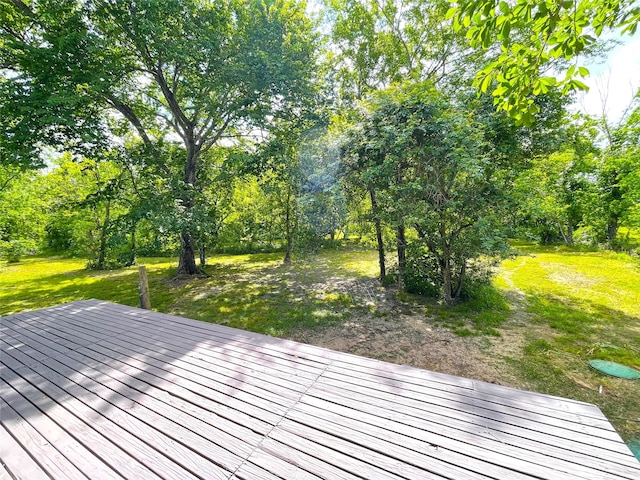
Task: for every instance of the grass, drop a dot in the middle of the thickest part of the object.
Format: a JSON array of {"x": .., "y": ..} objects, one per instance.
[
  {"x": 483, "y": 314},
  {"x": 578, "y": 306},
  {"x": 253, "y": 292}
]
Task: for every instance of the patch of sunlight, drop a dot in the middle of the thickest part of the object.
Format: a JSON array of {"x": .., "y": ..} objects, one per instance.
[
  {"x": 570, "y": 276},
  {"x": 602, "y": 278},
  {"x": 322, "y": 313}
]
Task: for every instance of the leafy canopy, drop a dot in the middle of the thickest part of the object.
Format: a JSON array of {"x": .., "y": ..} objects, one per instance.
[{"x": 534, "y": 36}]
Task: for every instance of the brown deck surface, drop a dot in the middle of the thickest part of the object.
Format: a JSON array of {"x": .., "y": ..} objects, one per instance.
[{"x": 98, "y": 390}]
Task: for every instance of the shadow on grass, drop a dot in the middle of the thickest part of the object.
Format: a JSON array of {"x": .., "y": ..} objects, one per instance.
[
  {"x": 555, "y": 358},
  {"x": 482, "y": 314},
  {"x": 119, "y": 286},
  {"x": 252, "y": 292}
]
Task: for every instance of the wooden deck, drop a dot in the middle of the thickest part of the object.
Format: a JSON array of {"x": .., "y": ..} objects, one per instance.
[{"x": 97, "y": 390}]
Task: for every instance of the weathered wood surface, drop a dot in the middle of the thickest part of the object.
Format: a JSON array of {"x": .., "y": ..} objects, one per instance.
[{"x": 98, "y": 390}]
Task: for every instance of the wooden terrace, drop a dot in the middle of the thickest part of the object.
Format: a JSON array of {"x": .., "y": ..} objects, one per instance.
[{"x": 97, "y": 390}]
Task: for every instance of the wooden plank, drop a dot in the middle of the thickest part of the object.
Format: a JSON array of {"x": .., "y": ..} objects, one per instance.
[
  {"x": 102, "y": 447},
  {"x": 104, "y": 418},
  {"x": 381, "y": 369},
  {"x": 426, "y": 395},
  {"x": 346, "y": 416},
  {"x": 432, "y": 458},
  {"x": 278, "y": 385},
  {"x": 478, "y": 449},
  {"x": 302, "y": 460},
  {"x": 204, "y": 330},
  {"x": 498, "y": 394},
  {"x": 228, "y": 378},
  {"x": 206, "y": 393},
  {"x": 211, "y": 458},
  {"x": 51, "y": 459},
  {"x": 207, "y": 348},
  {"x": 249, "y": 471},
  {"x": 343, "y": 455},
  {"x": 527, "y": 442},
  {"x": 15, "y": 459},
  {"x": 86, "y": 460},
  {"x": 399, "y": 459},
  {"x": 227, "y": 384},
  {"x": 177, "y": 396},
  {"x": 214, "y": 438},
  {"x": 181, "y": 454},
  {"x": 530, "y": 447},
  {"x": 518, "y": 431},
  {"x": 261, "y": 461}
]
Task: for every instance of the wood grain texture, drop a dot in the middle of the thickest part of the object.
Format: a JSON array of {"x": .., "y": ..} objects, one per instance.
[{"x": 96, "y": 390}]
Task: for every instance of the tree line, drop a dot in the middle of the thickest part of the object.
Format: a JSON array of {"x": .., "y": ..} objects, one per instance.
[{"x": 160, "y": 127}]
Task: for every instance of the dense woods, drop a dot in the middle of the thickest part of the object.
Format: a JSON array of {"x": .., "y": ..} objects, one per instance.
[{"x": 188, "y": 127}]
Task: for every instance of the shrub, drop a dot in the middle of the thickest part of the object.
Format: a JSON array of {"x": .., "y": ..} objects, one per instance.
[{"x": 14, "y": 250}]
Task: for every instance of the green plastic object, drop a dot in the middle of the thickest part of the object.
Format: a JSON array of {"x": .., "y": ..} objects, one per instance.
[
  {"x": 634, "y": 446},
  {"x": 614, "y": 369}
]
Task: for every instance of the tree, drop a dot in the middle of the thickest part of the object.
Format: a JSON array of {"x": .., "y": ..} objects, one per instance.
[
  {"x": 532, "y": 36},
  {"x": 378, "y": 43},
  {"x": 22, "y": 213},
  {"x": 431, "y": 163},
  {"x": 617, "y": 198},
  {"x": 188, "y": 70}
]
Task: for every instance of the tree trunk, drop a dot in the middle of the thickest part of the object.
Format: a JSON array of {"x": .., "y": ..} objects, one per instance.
[
  {"x": 376, "y": 222},
  {"x": 445, "y": 266},
  {"x": 612, "y": 233},
  {"x": 288, "y": 228},
  {"x": 102, "y": 253},
  {"x": 131, "y": 257},
  {"x": 463, "y": 269},
  {"x": 187, "y": 260},
  {"x": 570, "y": 229},
  {"x": 402, "y": 258},
  {"x": 564, "y": 236},
  {"x": 203, "y": 257}
]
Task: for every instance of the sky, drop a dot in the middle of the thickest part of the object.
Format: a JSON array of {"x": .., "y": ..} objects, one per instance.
[{"x": 616, "y": 79}]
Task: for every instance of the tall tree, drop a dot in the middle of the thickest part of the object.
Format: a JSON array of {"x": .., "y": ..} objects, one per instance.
[
  {"x": 376, "y": 43},
  {"x": 430, "y": 161},
  {"x": 193, "y": 71}
]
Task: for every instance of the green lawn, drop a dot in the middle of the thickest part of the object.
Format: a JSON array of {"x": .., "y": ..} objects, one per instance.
[
  {"x": 557, "y": 308},
  {"x": 576, "y": 306},
  {"x": 254, "y": 292}
]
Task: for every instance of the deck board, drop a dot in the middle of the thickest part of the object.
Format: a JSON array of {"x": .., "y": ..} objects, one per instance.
[{"x": 94, "y": 389}]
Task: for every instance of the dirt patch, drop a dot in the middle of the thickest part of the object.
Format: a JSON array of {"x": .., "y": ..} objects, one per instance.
[{"x": 396, "y": 332}]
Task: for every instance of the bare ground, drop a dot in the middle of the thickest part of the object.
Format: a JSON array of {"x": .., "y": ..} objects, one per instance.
[{"x": 397, "y": 332}]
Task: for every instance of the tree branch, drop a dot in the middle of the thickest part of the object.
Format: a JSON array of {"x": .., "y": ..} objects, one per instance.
[{"x": 130, "y": 115}]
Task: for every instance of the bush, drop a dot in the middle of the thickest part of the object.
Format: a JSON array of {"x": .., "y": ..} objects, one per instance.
[
  {"x": 422, "y": 274},
  {"x": 14, "y": 250}
]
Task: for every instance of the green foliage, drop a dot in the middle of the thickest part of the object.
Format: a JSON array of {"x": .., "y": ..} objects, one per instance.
[
  {"x": 429, "y": 165},
  {"x": 168, "y": 70},
  {"x": 422, "y": 274},
  {"x": 22, "y": 211},
  {"x": 14, "y": 250},
  {"x": 533, "y": 35}
]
